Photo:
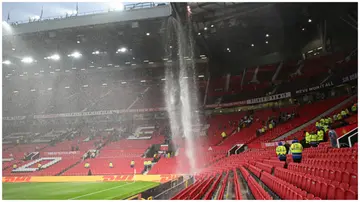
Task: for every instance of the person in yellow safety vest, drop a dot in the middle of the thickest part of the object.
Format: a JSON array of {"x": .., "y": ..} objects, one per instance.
[
  {"x": 296, "y": 151},
  {"x": 145, "y": 165},
  {"x": 223, "y": 135},
  {"x": 325, "y": 128},
  {"x": 87, "y": 165},
  {"x": 354, "y": 108},
  {"x": 313, "y": 140},
  {"x": 307, "y": 137},
  {"x": 270, "y": 126},
  {"x": 339, "y": 117},
  {"x": 39, "y": 165},
  {"x": 320, "y": 135},
  {"x": 326, "y": 122},
  {"x": 322, "y": 121},
  {"x": 317, "y": 124},
  {"x": 343, "y": 113},
  {"x": 330, "y": 120},
  {"x": 281, "y": 152},
  {"x": 335, "y": 117},
  {"x": 168, "y": 155},
  {"x": 262, "y": 130},
  {"x": 111, "y": 165},
  {"x": 149, "y": 164},
  {"x": 14, "y": 166},
  {"x": 347, "y": 112},
  {"x": 132, "y": 164}
]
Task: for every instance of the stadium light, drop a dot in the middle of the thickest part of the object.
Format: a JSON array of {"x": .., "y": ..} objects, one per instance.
[
  {"x": 124, "y": 82},
  {"x": 212, "y": 25},
  {"x": 55, "y": 57},
  {"x": 267, "y": 35},
  {"x": 252, "y": 45},
  {"x": 303, "y": 29},
  {"x": 85, "y": 86},
  {"x": 148, "y": 34},
  {"x": 199, "y": 33},
  {"x": 116, "y": 6},
  {"x": 201, "y": 76},
  {"x": 49, "y": 88},
  {"x": 309, "y": 20},
  {"x": 122, "y": 50},
  {"x": 27, "y": 60},
  {"x": 163, "y": 79},
  {"x": 36, "y": 17},
  {"x": 205, "y": 28},
  {"x": 143, "y": 81},
  {"x": 13, "y": 49},
  {"x": 32, "y": 90},
  {"x": 15, "y": 91},
  {"x": 75, "y": 54},
  {"x": 67, "y": 87},
  {"x": 104, "y": 84},
  {"x": 7, "y": 62},
  {"x": 266, "y": 42}
]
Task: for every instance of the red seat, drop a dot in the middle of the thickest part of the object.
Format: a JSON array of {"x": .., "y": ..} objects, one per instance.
[
  {"x": 350, "y": 195},
  {"x": 353, "y": 179},
  {"x": 323, "y": 190},
  {"x": 331, "y": 192},
  {"x": 339, "y": 193},
  {"x": 310, "y": 196},
  {"x": 345, "y": 177}
]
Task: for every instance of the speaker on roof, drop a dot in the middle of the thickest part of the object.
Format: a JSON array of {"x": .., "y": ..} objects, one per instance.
[
  {"x": 52, "y": 34},
  {"x": 135, "y": 24}
]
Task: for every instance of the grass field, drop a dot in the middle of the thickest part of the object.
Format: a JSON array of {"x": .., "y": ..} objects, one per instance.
[{"x": 74, "y": 190}]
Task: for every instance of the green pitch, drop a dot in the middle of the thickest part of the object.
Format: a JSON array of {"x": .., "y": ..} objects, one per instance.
[{"x": 74, "y": 190}]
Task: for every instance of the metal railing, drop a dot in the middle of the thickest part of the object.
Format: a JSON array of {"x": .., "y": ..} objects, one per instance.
[{"x": 127, "y": 7}]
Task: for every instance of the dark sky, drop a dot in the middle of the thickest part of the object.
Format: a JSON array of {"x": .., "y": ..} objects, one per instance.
[{"x": 20, "y": 11}]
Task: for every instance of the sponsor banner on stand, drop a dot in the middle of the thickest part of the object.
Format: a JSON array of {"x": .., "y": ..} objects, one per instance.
[
  {"x": 99, "y": 178},
  {"x": 269, "y": 98},
  {"x": 62, "y": 153},
  {"x": 273, "y": 144},
  {"x": 315, "y": 88}
]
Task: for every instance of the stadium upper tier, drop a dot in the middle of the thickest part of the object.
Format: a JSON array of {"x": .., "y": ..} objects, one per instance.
[{"x": 79, "y": 90}]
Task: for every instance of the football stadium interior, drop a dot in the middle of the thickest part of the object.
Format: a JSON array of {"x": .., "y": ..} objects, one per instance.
[{"x": 221, "y": 101}]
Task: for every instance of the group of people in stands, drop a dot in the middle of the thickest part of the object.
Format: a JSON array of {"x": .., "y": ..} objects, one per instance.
[
  {"x": 313, "y": 139},
  {"x": 274, "y": 121},
  {"x": 295, "y": 149}
]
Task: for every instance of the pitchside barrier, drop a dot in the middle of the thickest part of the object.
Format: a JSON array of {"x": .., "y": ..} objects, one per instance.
[{"x": 99, "y": 178}]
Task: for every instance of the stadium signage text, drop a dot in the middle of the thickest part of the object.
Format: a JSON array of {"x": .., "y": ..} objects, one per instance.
[
  {"x": 16, "y": 179},
  {"x": 313, "y": 88},
  {"x": 62, "y": 153},
  {"x": 117, "y": 178},
  {"x": 269, "y": 98}
]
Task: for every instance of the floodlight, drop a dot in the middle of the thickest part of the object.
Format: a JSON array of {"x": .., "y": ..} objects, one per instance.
[
  {"x": 309, "y": 20},
  {"x": 201, "y": 76},
  {"x": 116, "y": 6},
  {"x": 122, "y": 50},
  {"x": 7, "y": 62},
  {"x": 75, "y": 55},
  {"x": 27, "y": 60}
]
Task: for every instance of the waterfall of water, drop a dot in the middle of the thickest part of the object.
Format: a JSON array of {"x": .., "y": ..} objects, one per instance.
[{"x": 180, "y": 86}]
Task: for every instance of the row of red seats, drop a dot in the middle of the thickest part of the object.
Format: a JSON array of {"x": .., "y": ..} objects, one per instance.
[
  {"x": 223, "y": 187},
  {"x": 275, "y": 163},
  {"x": 265, "y": 167},
  {"x": 202, "y": 189},
  {"x": 283, "y": 189},
  {"x": 237, "y": 187},
  {"x": 257, "y": 191},
  {"x": 331, "y": 174},
  {"x": 314, "y": 186},
  {"x": 330, "y": 163},
  {"x": 212, "y": 189}
]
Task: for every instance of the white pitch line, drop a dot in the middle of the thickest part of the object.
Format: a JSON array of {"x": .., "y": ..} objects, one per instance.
[{"x": 100, "y": 191}]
